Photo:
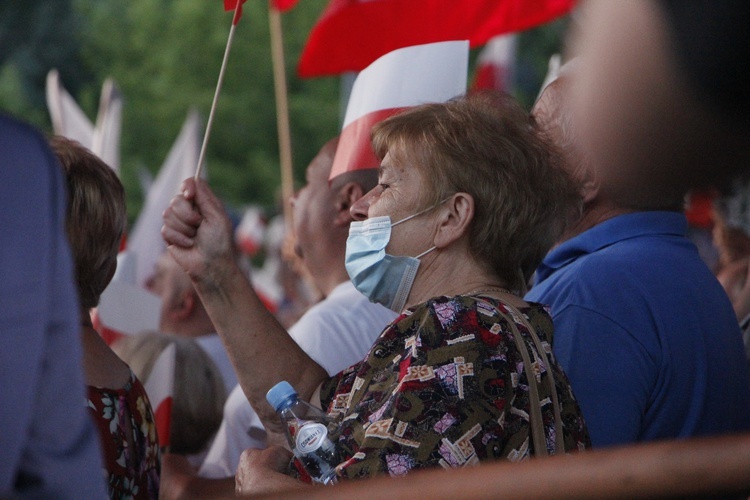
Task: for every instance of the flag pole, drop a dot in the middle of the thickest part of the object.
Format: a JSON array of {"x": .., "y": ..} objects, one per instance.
[
  {"x": 282, "y": 108},
  {"x": 235, "y": 20}
]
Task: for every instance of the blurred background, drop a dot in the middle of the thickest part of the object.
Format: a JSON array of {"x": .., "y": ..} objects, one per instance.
[{"x": 165, "y": 55}]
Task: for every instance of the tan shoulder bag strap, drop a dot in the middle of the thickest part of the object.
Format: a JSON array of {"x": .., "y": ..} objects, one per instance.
[{"x": 535, "y": 419}]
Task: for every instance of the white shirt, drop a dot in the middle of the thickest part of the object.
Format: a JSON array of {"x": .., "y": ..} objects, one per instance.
[
  {"x": 336, "y": 333},
  {"x": 214, "y": 347}
]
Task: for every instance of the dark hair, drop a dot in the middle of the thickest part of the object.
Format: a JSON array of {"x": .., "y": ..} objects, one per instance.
[{"x": 96, "y": 217}]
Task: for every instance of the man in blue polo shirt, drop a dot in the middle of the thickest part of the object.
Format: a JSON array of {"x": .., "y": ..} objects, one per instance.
[{"x": 644, "y": 331}]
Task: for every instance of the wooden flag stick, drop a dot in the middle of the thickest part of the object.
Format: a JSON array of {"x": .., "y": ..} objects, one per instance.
[
  {"x": 282, "y": 109},
  {"x": 202, "y": 157}
]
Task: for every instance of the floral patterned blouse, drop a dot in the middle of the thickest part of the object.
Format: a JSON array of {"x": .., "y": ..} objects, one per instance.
[
  {"x": 128, "y": 436},
  {"x": 444, "y": 385}
]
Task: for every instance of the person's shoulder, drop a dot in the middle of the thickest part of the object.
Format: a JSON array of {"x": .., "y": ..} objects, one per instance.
[
  {"x": 18, "y": 135},
  {"x": 25, "y": 156}
]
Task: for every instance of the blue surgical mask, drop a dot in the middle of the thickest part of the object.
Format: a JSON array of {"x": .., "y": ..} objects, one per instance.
[{"x": 382, "y": 278}]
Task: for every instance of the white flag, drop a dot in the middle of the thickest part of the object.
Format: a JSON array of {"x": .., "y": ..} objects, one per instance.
[
  {"x": 145, "y": 241},
  {"x": 68, "y": 119}
]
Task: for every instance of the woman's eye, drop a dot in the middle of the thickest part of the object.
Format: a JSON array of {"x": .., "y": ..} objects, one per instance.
[{"x": 383, "y": 186}]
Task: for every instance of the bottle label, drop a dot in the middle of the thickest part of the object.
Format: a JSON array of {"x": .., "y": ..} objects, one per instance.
[{"x": 310, "y": 437}]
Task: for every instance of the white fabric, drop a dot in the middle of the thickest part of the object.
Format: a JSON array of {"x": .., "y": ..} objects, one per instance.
[
  {"x": 336, "y": 333},
  {"x": 214, "y": 347},
  {"x": 444, "y": 65}
]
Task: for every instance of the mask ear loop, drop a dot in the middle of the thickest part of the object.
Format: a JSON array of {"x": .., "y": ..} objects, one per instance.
[{"x": 421, "y": 212}]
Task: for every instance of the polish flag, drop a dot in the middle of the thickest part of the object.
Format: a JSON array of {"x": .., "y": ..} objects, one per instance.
[
  {"x": 351, "y": 34},
  {"x": 496, "y": 64},
  {"x": 251, "y": 231},
  {"x": 434, "y": 72},
  {"x": 160, "y": 390}
]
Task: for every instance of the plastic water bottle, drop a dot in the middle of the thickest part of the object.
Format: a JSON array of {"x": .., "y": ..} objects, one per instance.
[{"x": 308, "y": 430}]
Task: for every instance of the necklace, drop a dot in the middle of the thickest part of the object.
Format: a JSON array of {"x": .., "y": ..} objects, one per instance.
[{"x": 490, "y": 289}]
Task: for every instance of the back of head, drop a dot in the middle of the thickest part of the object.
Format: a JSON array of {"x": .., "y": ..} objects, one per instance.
[
  {"x": 365, "y": 178},
  {"x": 96, "y": 217},
  {"x": 199, "y": 391},
  {"x": 553, "y": 113},
  {"x": 486, "y": 145}
]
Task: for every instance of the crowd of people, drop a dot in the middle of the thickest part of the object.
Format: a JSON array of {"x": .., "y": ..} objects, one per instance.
[{"x": 503, "y": 285}]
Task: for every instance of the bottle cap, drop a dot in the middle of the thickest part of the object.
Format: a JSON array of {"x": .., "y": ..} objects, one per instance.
[{"x": 279, "y": 395}]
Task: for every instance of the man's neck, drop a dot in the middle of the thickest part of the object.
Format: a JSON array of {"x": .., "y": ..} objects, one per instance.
[
  {"x": 594, "y": 214},
  {"x": 326, "y": 282}
]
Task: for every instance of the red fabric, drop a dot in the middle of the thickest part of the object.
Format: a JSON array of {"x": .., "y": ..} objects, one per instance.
[
  {"x": 354, "y": 151},
  {"x": 163, "y": 419},
  {"x": 489, "y": 76},
  {"x": 230, "y": 5},
  {"x": 282, "y": 5},
  {"x": 699, "y": 209},
  {"x": 351, "y": 34}
]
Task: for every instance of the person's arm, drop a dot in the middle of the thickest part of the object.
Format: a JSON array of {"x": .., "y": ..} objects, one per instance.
[{"x": 199, "y": 236}]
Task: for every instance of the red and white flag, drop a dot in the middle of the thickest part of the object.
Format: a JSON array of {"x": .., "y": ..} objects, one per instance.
[
  {"x": 160, "y": 389},
  {"x": 351, "y": 34},
  {"x": 404, "y": 78},
  {"x": 496, "y": 64},
  {"x": 251, "y": 231}
]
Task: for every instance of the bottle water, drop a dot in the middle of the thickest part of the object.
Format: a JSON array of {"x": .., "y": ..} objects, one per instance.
[{"x": 307, "y": 429}]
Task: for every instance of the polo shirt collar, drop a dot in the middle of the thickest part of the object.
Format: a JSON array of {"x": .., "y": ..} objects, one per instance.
[{"x": 622, "y": 227}]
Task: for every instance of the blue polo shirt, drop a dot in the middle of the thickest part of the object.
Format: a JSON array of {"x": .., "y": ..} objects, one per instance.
[{"x": 645, "y": 332}]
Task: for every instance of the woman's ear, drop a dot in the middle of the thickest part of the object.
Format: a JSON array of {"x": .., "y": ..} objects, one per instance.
[
  {"x": 454, "y": 219},
  {"x": 345, "y": 197}
]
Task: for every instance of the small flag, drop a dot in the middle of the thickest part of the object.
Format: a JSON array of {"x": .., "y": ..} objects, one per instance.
[
  {"x": 496, "y": 64},
  {"x": 232, "y": 5},
  {"x": 251, "y": 230},
  {"x": 283, "y": 5},
  {"x": 160, "y": 390},
  {"x": 406, "y": 77}
]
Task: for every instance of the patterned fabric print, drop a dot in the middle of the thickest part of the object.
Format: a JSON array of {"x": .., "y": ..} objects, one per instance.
[
  {"x": 131, "y": 473},
  {"x": 445, "y": 385}
]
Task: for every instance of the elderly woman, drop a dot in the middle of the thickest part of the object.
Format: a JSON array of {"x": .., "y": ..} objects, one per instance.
[
  {"x": 95, "y": 222},
  {"x": 469, "y": 202}
]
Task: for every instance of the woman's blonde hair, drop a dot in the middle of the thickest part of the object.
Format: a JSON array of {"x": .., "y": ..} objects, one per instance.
[
  {"x": 199, "y": 391},
  {"x": 487, "y": 146},
  {"x": 96, "y": 217}
]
